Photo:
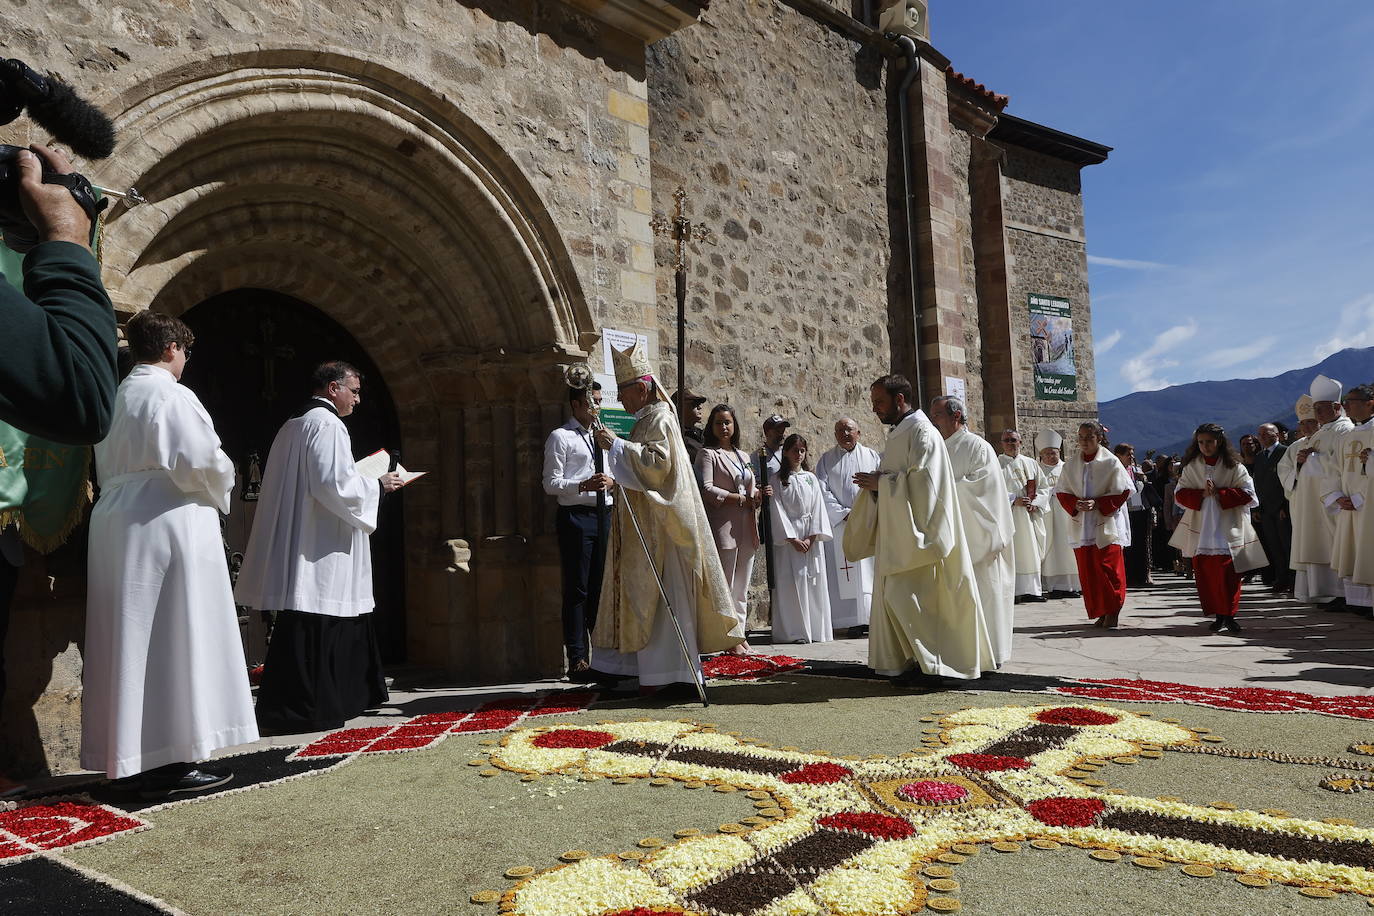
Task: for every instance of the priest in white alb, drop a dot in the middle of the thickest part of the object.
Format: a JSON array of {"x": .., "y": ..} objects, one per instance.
[
  {"x": 1059, "y": 569},
  {"x": 986, "y": 513},
  {"x": 634, "y": 633},
  {"x": 164, "y": 683},
  {"x": 850, "y": 581},
  {"x": 1030, "y": 497},
  {"x": 1350, "y": 493},
  {"x": 308, "y": 559},
  {"x": 927, "y": 621},
  {"x": 1314, "y": 524}
]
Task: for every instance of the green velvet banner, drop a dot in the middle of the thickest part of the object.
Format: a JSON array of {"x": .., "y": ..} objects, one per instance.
[{"x": 44, "y": 485}]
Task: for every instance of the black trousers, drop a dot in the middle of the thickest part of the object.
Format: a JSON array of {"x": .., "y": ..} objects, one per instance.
[
  {"x": 583, "y": 552},
  {"x": 1137, "y": 556},
  {"x": 9, "y": 578},
  {"x": 320, "y": 672},
  {"x": 1276, "y": 532}
]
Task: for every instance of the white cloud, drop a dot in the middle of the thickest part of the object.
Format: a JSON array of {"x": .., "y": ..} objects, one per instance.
[
  {"x": 1232, "y": 356},
  {"x": 1356, "y": 328},
  {"x": 1142, "y": 371},
  {"x": 1125, "y": 263},
  {"x": 1106, "y": 343}
]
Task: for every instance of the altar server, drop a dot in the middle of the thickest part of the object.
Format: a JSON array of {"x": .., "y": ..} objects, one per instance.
[
  {"x": 926, "y": 619},
  {"x": 1215, "y": 532},
  {"x": 1059, "y": 570},
  {"x": 309, "y": 560},
  {"x": 164, "y": 683},
  {"x": 801, "y": 612},
  {"x": 985, "y": 509},
  {"x": 1093, "y": 487},
  {"x": 850, "y": 581}
]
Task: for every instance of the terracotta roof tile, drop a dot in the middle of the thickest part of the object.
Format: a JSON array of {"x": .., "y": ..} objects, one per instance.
[{"x": 972, "y": 85}]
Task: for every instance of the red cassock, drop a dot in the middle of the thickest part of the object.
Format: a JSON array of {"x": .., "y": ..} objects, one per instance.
[
  {"x": 1101, "y": 570},
  {"x": 1218, "y": 583}
]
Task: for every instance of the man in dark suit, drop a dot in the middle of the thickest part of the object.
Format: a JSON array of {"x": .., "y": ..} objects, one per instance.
[{"x": 1275, "y": 525}]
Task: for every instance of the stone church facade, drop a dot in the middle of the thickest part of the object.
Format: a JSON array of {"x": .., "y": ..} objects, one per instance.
[{"x": 462, "y": 191}]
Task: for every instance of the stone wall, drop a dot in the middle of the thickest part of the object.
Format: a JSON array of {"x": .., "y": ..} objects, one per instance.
[
  {"x": 966, "y": 296},
  {"x": 777, "y": 127},
  {"x": 1047, "y": 254}
]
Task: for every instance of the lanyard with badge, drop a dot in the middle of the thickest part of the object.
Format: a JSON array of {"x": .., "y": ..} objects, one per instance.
[{"x": 745, "y": 474}]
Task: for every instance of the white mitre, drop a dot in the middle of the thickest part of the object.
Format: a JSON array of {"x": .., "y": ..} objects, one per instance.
[
  {"x": 632, "y": 365},
  {"x": 1325, "y": 389},
  {"x": 1304, "y": 408},
  {"x": 1048, "y": 438}
]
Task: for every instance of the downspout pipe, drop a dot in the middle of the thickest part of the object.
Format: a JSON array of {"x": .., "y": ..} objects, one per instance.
[{"x": 913, "y": 64}]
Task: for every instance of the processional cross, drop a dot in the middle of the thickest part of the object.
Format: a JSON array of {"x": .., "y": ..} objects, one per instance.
[
  {"x": 269, "y": 354},
  {"x": 681, "y": 230}
]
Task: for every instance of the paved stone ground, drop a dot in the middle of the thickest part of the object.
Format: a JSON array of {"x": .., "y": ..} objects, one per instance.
[{"x": 1285, "y": 645}]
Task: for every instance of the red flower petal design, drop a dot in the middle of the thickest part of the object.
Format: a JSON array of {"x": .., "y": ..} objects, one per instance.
[
  {"x": 1067, "y": 812},
  {"x": 989, "y": 763},
  {"x": 933, "y": 792},
  {"x": 573, "y": 738},
  {"x": 882, "y": 826},
  {"x": 1074, "y": 715},
  {"x": 58, "y": 824},
  {"x": 817, "y": 774}
]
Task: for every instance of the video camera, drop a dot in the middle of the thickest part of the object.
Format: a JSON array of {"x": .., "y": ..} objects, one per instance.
[{"x": 71, "y": 120}]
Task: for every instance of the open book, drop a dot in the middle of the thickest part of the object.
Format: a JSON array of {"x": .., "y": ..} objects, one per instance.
[{"x": 376, "y": 464}]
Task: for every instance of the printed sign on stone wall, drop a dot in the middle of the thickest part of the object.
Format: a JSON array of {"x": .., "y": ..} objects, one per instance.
[{"x": 1051, "y": 331}]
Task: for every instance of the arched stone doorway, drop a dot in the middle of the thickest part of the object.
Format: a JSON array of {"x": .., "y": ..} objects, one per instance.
[
  {"x": 251, "y": 366},
  {"x": 350, "y": 187}
]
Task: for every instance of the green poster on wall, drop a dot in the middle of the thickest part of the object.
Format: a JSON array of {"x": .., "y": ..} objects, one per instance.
[{"x": 1051, "y": 331}]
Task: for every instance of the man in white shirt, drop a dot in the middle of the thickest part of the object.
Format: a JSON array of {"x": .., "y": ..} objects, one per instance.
[
  {"x": 583, "y": 522},
  {"x": 851, "y": 584},
  {"x": 308, "y": 558}
]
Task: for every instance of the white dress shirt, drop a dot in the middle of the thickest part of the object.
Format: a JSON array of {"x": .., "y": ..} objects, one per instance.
[{"x": 567, "y": 462}]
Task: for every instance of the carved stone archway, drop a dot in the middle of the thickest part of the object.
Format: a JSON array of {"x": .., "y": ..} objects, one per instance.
[{"x": 367, "y": 195}]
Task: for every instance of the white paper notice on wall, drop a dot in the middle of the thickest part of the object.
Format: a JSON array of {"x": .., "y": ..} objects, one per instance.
[
  {"x": 621, "y": 340},
  {"x": 954, "y": 387}
]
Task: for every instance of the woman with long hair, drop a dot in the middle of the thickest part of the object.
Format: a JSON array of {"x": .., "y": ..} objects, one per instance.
[
  {"x": 731, "y": 497},
  {"x": 1092, "y": 488},
  {"x": 1217, "y": 495},
  {"x": 801, "y": 612}
]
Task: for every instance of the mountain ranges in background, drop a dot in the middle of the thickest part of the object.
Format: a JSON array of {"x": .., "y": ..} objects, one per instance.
[{"x": 1164, "y": 420}]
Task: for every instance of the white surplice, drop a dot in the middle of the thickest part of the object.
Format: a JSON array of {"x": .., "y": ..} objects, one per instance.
[
  {"x": 308, "y": 550},
  {"x": 925, "y": 599},
  {"x": 1059, "y": 571},
  {"x": 988, "y": 533},
  {"x": 802, "y": 611},
  {"x": 1024, "y": 478},
  {"x": 1314, "y": 527},
  {"x": 850, "y": 581},
  {"x": 164, "y": 679}
]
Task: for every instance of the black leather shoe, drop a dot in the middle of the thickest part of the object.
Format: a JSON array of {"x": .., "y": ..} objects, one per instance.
[
  {"x": 1229, "y": 625},
  {"x": 1216, "y": 626},
  {"x": 1038, "y": 599},
  {"x": 192, "y": 782},
  {"x": 857, "y": 632}
]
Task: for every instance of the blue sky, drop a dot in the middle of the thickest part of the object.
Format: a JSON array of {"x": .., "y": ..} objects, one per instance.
[{"x": 1231, "y": 232}]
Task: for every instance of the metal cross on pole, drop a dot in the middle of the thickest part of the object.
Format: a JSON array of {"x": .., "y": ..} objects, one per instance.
[{"x": 681, "y": 230}]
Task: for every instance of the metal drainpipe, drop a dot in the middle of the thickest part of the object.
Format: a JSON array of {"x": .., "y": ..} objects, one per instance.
[{"x": 913, "y": 63}]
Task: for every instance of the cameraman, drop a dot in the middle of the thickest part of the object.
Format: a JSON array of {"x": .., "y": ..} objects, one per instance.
[{"x": 57, "y": 377}]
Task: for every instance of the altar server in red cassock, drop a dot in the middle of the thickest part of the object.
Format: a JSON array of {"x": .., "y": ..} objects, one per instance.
[
  {"x": 1217, "y": 493},
  {"x": 1092, "y": 488}
]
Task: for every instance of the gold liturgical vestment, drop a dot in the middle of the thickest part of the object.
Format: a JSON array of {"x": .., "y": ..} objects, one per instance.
[
  {"x": 925, "y": 600},
  {"x": 1352, "y": 551},
  {"x": 673, "y": 521}
]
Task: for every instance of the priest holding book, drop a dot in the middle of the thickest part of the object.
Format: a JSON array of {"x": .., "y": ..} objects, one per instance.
[{"x": 309, "y": 560}]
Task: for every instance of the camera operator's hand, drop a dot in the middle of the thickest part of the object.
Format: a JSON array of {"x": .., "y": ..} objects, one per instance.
[{"x": 51, "y": 207}]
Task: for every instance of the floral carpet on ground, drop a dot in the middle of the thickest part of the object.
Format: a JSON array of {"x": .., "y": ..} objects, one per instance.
[{"x": 900, "y": 816}]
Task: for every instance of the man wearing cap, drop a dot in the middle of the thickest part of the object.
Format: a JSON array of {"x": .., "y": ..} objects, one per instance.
[
  {"x": 1314, "y": 528},
  {"x": 582, "y": 523},
  {"x": 689, "y": 415},
  {"x": 851, "y": 583},
  {"x": 1030, "y": 497},
  {"x": 1059, "y": 569},
  {"x": 985, "y": 509},
  {"x": 1275, "y": 527},
  {"x": 634, "y": 633},
  {"x": 774, "y": 431},
  {"x": 1350, "y": 490},
  {"x": 927, "y": 621}
]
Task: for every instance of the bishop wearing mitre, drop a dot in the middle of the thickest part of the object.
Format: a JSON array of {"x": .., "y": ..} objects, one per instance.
[
  {"x": 1314, "y": 525},
  {"x": 927, "y": 620},
  {"x": 634, "y": 633}
]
